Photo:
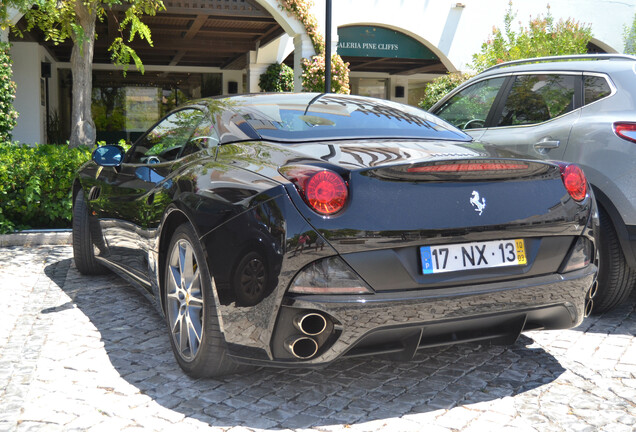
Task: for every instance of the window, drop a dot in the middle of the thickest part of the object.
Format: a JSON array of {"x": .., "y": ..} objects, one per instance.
[
  {"x": 204, "y": 136},
  {"x": 538, "y": 98},
  {"x": 377, "y": 88},
  {"x": 469, "y": 108},
  {"x": 332, "y": 116},
  {"x": 164, "y": 142},
  {"x": 124, "y": 107},
  {"x": 596, "y": 88}
]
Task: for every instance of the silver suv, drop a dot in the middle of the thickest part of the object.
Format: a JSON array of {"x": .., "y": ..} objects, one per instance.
[{"x": 579, "y": 109}]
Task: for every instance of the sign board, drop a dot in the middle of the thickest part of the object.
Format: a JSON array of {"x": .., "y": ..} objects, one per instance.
[{"x": 370, "y": 41}]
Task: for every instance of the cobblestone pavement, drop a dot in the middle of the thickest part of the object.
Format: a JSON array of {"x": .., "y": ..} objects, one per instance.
[{"x": 90, "y": 353}]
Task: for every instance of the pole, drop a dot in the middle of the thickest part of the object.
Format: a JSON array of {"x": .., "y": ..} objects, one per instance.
[{"x": 328, "y": 49}]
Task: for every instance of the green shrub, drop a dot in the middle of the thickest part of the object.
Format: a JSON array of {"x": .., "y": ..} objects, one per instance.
[
  {"x": 8, "y": 115},
  {"x": 35, "y": 185},
  {"x": 277, "y": 78},
  {"x": 439, "y": 87}
]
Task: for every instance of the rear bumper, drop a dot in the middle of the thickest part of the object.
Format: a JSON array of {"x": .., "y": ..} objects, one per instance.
[{"x": 399, "y": 323}]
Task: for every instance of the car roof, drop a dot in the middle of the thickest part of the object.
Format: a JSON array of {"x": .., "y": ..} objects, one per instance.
[{"x": 595, "y": 64}]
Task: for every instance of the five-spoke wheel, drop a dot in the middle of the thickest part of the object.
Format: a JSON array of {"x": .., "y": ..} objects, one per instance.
[
  {"x": 185, "y": 299},
  {"x": 191, "y": 313}
]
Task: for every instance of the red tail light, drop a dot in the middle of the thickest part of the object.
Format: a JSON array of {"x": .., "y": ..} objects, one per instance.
[
  {"x": 469, "y": 167},
  {"x": 324, "y": 190},
  {"x": 626, "y": 131},
  {"x": 574, "y": 180}
]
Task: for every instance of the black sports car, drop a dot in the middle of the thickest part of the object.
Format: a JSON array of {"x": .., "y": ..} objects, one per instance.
[{"x": 295, "y": 229}]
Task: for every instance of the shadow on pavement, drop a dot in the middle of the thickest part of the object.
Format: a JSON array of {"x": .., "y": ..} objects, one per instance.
[{"x": 347, "y": 392}]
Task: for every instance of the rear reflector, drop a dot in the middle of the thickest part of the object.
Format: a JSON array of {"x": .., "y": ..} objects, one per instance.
[
  {"x": 469, "y": 167},
  {"x": 627, "y": 131},
  {"x": 328, "y": 276},
  {"x": 580, "y": 256}
]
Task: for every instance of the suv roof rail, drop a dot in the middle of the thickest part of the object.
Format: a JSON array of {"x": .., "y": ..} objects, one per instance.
[{"x": 565, "y": 57}]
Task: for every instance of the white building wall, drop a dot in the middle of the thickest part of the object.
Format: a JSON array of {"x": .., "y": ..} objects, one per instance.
[
  {"x": 458, "y": 28},
  {"x": 26, "y": 74}
]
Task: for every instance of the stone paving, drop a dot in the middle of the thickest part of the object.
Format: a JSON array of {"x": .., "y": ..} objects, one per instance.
[{"x": 90, "y": 353}]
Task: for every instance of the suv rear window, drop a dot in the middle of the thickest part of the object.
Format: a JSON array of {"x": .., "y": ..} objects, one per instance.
[{"x": 596, "y": 88}]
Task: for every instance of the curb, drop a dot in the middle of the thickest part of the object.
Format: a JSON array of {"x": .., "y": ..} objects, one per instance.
[{"x": 37, "y": 238}]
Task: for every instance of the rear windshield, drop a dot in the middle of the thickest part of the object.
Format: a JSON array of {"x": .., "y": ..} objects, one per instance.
[{"x": 336, "y": 117}]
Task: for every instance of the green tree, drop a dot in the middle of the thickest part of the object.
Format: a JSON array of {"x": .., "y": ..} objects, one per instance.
[
  {"x": 61, "y": 20},
  {"x": 542, "y": 37}
]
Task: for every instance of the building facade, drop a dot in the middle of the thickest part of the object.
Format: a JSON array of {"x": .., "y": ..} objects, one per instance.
[{"x": 213, "y": 47}]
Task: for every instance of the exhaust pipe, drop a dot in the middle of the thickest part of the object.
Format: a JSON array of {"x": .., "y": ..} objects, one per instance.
[
  {"x": 301, "y": 347},
  {"x": 589, "y": 305},
  {"x": 593, "y": 290},
  {"x": 311, "y": 324}
]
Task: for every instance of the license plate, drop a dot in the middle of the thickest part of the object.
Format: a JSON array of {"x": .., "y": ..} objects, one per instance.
[{"x": 469, "y": 256}]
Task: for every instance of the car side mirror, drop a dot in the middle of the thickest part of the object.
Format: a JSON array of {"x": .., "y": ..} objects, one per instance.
[{"x": 108, "y": 156}]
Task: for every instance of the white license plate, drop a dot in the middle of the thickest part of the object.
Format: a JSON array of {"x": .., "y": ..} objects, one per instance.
[{"x": 469, "y": 256}]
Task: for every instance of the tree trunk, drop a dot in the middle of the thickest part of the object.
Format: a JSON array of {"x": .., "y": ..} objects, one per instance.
[{"x": 83, "y": 128}]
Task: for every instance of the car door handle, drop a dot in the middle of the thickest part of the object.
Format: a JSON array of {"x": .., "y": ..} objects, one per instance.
[{"x": 547, "y": 143}]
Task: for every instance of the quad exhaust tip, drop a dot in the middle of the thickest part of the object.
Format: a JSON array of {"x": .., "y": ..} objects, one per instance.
[
  {"x": 593, "y": 290},
  {"x": 311, "y": 324},
  {"x": 302, "y": 347},
  {"x": 589, "y": 305}
]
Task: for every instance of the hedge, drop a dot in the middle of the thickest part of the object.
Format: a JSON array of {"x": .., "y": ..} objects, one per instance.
[{"x": 35, "y": 185}]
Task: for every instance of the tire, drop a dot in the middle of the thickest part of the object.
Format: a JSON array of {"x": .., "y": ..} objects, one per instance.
[
  {"x": 191, "y": 315},
  {"x": 83, "y": 249},
  {"x": 615, "y": 277}
]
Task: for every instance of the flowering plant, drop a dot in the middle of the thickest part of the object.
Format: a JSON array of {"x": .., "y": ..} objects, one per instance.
[
  {"x": 8, "y": 115},
  {"x": 314, "y": 68},
  {"x": 314, "y": 74},
  {"x": 301, "y": 10}
]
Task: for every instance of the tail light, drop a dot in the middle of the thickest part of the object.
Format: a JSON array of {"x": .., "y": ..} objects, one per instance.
[
  {"x": 574, "y": 180},
  {"x": 324, "y": 190},
  {"x": 627, "y": 131},
  {"x": 460, "y": 167}
]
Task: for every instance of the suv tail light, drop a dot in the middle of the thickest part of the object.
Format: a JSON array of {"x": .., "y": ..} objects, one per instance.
[
  {"x": 324, "y": 190},
  {"x": 574, "y": 180},
  {"x": 627, "y": 131}
]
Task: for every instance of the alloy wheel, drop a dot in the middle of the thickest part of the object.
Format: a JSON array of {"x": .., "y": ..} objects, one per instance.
[{"x": 185, "y": 302}]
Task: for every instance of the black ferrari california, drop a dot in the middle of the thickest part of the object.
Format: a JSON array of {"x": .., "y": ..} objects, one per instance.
[{"x": 297, "y": 229}]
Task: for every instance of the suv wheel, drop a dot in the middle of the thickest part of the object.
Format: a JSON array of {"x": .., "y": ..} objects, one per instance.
[{"x": 615, "y": 277}]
